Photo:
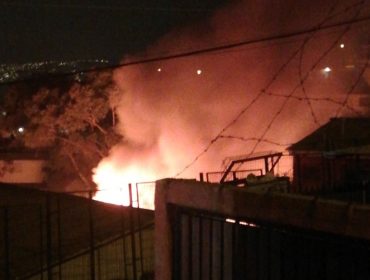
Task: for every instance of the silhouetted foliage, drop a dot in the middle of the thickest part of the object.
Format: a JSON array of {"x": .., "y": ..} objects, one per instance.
[{"x": 71, "y": 118}]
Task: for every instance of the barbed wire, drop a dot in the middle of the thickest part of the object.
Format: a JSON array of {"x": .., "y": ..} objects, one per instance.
[
  {"x": 193, "y": 52},
  {"x": 253, "y": 139},
  {"x": 308, "y": 37},
  {"x": 303, "y": 78},
  {"x": 360, "y": 3},
  {"x": 359, "y": 76},
  {"x": 344, "y": 104}
]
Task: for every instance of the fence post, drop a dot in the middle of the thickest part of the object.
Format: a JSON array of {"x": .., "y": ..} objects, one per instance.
[
  {"x": 48, "y": 238},
  {"x": 59, "y": 238},
  {"x": 132, "y": 232},
  {"x": 266, "y": 165},
  {"x": 222, "y": 258},
  {"x": 139, "y": 227},
  {"x": 41, "y": 228},
  {"x": 176, "y": 224},
  {"x": 200, "y": 221},
  {"x": 6, "y": 243},
  {"x": 190, "y": 241},
  {"x": 123, "y": 236},
  {"x": 201, "y": 177},
  {"x": 91, "y": 230}
]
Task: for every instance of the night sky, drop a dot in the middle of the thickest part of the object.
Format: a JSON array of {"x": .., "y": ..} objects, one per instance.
[
  {"x": 37, "y": 30},
  {"x": 248, "y": 94}
]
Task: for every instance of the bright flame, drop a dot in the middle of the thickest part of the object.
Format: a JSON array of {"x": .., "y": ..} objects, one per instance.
[
  {"x": 169, "y": 120},
  {"x": 114, "y": 186},
  {"x": 124, "y": 166}
]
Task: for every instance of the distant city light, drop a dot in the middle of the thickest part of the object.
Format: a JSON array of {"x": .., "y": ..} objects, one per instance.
[
  {"x": 13, "y": 72},
  {"x": 230, "y": 221},
  {"x": 327, "y": 69},
  {"x": 342, "y": 46},
  {"x": 4, "y": 113},
  {"x": 199, "y": 71},
  {"x": 21, "y": 129},
  {"x": 159, "y": 70}
]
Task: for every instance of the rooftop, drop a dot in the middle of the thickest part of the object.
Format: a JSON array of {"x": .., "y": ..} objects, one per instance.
[{"x": 347, "y": 135}]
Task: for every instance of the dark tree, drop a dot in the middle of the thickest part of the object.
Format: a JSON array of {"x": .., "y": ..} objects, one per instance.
[{"x": 73, "y": 119}]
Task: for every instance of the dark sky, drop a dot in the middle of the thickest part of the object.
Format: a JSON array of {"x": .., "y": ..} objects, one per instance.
[{"x": 39, "y": 30}]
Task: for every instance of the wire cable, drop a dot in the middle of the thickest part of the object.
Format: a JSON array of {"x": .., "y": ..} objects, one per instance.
[
  {"x": 207, "y": 50},
  {"x": 321, "y": 26}
]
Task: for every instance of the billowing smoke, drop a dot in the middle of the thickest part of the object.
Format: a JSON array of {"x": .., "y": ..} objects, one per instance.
[{"x": 170, "y": 113}]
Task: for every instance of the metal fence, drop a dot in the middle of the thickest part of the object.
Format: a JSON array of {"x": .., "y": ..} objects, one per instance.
[
  {"x": 145, "y": 193},
  {"x": 208, "y": 246},
  {"x": 215, "y": 177},
  {"x": 142, "y": 195},
  {"x": 73, "y": 237},
  {"x": 283, "y": 168}
]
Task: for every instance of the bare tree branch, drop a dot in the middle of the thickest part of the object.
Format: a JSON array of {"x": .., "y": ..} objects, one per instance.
[
  {"x": 83, "y": 148},
  {"x": 78, "y": 171}
]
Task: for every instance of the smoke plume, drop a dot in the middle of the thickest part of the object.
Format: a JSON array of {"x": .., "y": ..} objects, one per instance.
[{"x": 171, "y": 115}]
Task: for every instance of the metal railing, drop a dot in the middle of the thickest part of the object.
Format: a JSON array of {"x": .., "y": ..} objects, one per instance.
[
  {"x": 215, "y": 177},
  {"x": 283, "y": 168},
  {"x": 142, "y": 195}
]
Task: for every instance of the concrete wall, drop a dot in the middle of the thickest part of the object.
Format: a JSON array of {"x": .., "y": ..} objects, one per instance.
[
  {"x": 27, "y": 171},
  {"x": 307, "y": 212}
]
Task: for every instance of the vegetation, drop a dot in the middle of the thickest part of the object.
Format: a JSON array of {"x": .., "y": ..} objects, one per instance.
[{"x": 72, "y": 118}]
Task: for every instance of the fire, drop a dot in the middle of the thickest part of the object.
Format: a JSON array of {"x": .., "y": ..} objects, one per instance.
[
  {"x": 177, "y": 123},
  {"x": 113, "y": 184}
]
